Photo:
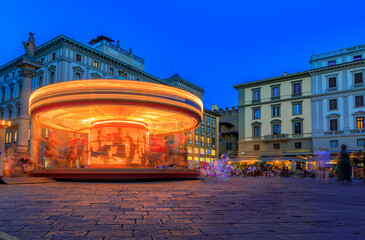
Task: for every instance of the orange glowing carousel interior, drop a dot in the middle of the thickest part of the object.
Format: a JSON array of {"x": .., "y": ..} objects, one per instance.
[{"x": 105, "y": 123}]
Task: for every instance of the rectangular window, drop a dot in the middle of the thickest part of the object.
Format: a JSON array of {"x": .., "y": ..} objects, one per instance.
[
  {"x": 213, "y": 121},
  {"x": 297, "y": 108},
  {"x": 256, "y": 131},
  {"x": 78, "y": 57},
  {"x": 53, "y": 56},
  {"x": 276, "y": 146},
  {"x": 276, "y": 111},
  {"x": 196, "y": 150},
  {"x": 96, "y": 64},
  {"x": 332, "y": 82},
  {"x": 256, "y": 147},
  {"x": 208, "y": 130},
  {"x": 358, "y": 78},
  {"x": 332, "y": 63},
  {"x": 333, "y": 104},
  {"x": 359, "y": 101},
  {"x": 256, "y": 95},
  {"x": 333, "y": 125},
  {"x": 298, "y": 145},
  {"x": 203, "y": 129},
  {"x": 213, "y": 131},
  {"x": 297, "y": 128},
  {"x": 360, "y": 123},
  {"x": 256, "y": 113},
  {"x": 3, "y": 96},
  {"x": 358, "y": 58},
  {"x": 275, "y": 92},
  {"x": 297, "y": 89},
  {"x": 208, "y": 119},
  {"x": 196, "y": 138},
  {"x": 334, "y": 143},
  {"x": 111, "y": 71},
  {"x": 42, "y": 60},
  {"x": 361, "y": 142},
  {"x": 276, "y": 129}
]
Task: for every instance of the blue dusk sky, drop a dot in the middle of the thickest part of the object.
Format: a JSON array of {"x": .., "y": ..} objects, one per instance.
[{"x": 213, "y": 44}]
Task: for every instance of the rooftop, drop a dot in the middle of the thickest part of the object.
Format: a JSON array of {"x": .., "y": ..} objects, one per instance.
[
  {"x": 273, "y": 79},
  {"x": 337, "y": 52}
]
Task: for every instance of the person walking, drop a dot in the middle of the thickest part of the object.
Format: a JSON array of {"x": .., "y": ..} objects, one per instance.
[
  {"x": 344, "y": 165},
  {"x": 324, "y": 159}
]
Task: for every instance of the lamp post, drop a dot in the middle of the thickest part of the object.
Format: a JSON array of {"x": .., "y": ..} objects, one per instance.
[{"x": 3, "y": 126}]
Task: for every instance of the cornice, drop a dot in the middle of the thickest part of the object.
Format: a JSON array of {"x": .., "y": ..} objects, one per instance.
[
  {"x": 336, "y": 67},
  {"x": 272, "y": 80},
  {"x": 316, "y": 97}
]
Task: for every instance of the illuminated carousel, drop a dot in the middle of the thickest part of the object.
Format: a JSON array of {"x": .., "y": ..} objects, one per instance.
[{"x": 112, "y": 129}]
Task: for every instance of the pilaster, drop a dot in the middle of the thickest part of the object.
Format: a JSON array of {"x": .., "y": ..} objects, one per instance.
[{"x": 28, "y": 70}]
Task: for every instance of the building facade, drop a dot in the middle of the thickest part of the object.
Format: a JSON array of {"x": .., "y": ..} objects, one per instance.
[
  {"x": 228, "y": 131},
  {"x": 64, "y": 59},
  {"x": 275, "y": 117},
  {"x": 202, "y": 143},
  {"x": 338, "y": 91}
]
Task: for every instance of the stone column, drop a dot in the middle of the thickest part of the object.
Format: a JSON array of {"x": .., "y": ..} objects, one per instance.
[{"x": 28, "y": 69}]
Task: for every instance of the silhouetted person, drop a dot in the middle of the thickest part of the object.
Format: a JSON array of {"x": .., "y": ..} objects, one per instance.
[{"x": 344, "y": 165}]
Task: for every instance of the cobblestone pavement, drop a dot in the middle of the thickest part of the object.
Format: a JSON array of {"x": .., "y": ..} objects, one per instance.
[{"x": 212, "y": 208}]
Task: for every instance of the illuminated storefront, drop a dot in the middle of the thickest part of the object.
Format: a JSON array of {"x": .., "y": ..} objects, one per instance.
[{"x": 106, "y": 123}]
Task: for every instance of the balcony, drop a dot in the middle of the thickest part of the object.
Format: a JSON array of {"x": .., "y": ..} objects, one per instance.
[{"x": 276, "y": 137}]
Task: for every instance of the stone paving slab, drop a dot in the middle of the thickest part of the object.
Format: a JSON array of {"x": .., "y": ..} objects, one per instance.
[{"x": 211, "y": 208}]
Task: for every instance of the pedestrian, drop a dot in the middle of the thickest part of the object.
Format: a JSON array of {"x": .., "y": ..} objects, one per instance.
[
  {"x": 344, "y": 165},
  {"x": 23, "y": 163}
]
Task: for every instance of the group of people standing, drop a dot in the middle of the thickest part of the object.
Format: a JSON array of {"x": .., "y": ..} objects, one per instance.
[{"x": 13, "y": 165}]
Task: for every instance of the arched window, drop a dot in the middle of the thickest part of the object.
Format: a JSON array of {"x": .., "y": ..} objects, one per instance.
[
  {"x": 52, "y": 77},
  {"x": 11, "y": 92},
  {"x": 40, "y": 81},
  {"x": 77, "y": 76},
  {"x": 6, "y": 137},
  {"x": 2, "y": 115},
  {"x": 10, "y": 114},
  {"x": 9, "y": 137},
  {"x": 15, "y": 136},
  {"x": 18, "y": 112}
]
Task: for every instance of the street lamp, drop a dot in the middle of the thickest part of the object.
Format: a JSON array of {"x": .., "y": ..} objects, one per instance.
[{"x": 3, "y": 126}]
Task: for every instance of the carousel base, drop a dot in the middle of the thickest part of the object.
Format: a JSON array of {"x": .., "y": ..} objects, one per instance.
[{"x": 115, "y": 175}]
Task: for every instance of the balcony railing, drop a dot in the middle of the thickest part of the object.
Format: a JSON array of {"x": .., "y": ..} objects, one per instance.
[{"x": 276, "y": 136}]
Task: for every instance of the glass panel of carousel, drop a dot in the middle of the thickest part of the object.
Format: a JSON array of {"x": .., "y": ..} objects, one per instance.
[{"x": 108, "y": 144}]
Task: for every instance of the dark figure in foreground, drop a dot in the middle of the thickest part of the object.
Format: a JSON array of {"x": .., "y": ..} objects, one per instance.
[{"x": 344, "y": 165}]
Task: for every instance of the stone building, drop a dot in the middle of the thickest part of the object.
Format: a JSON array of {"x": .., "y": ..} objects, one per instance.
[
  {"x": 228, "y": 130},
  {"x": 275, "y": 117},
  {"x": 64, "y": 59},
  {"x": 203, "y": 144},
  {"x": 338, "y": 90}
]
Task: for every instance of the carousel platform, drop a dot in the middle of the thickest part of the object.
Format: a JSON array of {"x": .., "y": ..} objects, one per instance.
[
  {"x": 25, "y": 180},
  {"x": 115, "y": 175}
]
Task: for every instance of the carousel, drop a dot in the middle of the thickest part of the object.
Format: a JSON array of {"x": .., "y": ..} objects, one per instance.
[{"x": 112, "y": 129}]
